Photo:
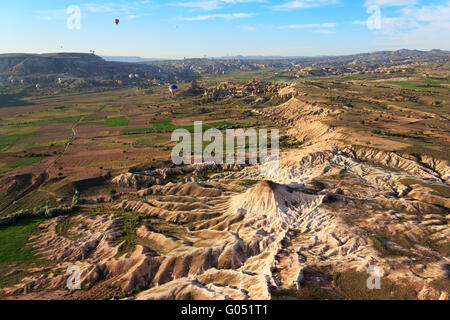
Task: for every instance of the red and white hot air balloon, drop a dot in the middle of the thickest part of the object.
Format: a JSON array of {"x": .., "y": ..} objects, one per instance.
[{"x": 116, "y": 21}]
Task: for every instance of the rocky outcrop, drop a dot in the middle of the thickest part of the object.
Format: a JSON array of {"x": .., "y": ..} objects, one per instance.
[
  {"x": 228, "y": 89},
  {"x": 135, "y": 180}
]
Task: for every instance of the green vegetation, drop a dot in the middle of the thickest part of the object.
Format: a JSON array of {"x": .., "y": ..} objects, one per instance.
[
  {"x": 384, "y": 250},
  {"x": 163, "y": 126},
  {"x": 290, "y": 145},
  {"x": 353, "y": 285},
  {"x": 131, "y": 223},
  {"x": 14, "y": 238},
  {"x": 45, "y": 212},
  {"x": 403, "y": 84},
  {"x": 247, "y": 183},
  {"x": 444, "y": 249},
  {"x": 305, "y": 293},
  {"x": 120, "y": 121},
  {"x": 221, "y": 125},
  {"x": 42, "y": 123},
  {"x": 440, "y": 190},
  {"x": 437, "y": 150},
  {"x": 64, "y": 227},
  {"x": 93, "y": 118},
  {"x": 441, "y": 284},
  {"x": 23, "y": 162},
  {"x": 113, "y": 163},
  {"x": 136, "y": 131},
  {"x": 102, "y": 134},
  {"x": 23, "y": 147},
  {"x": 420, "y": 84},
  {"x": 11, "y": 140},
  {"x": 150, "y": 140},
  {"x": 167, "y": 126}
]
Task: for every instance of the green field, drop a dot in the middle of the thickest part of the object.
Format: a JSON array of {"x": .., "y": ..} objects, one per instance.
[
  {"x": 120, "y": 121},
  {"x": 23, "y": 162},
  {"x": 420, "y": 84},
  {"x": 167, "y": 126},
  {"x": 11, "y": 140},
  {"x": 22, "y": 147},
  {"x": 14, "y": 238}
]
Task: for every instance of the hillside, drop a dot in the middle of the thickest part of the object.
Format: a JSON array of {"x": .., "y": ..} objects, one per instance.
[
  {"x": 73, "y": 65},
  {"x": 361, "y": 188},
  {"x": 88, "y": 66}
]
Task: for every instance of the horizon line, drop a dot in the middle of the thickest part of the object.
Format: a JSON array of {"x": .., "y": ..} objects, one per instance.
[{"x": 224, "y": 56}]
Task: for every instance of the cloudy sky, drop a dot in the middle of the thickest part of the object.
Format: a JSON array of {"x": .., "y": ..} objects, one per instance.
[{"x": 198, "y": 28}]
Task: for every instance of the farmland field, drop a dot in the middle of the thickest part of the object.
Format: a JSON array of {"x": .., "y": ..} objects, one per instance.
[
  {"x": 87, "y": 177},
  {"x": 117, "y": 122}
]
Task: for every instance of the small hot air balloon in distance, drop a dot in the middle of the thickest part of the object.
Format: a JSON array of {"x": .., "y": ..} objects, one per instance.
[
  {"x": 136, "y": 75},
  {"x": 38, "y": 86},
  {"x": 131, "y": 76},
  {"x": 116, "y": 21},
  {"x": 22, "y": 81},
  {"x": 173, "y": 89},
  {"x": 60, "y": 80}
]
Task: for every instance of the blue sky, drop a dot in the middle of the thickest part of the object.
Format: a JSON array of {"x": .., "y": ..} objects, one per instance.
[{"x": 197, "y": 28}]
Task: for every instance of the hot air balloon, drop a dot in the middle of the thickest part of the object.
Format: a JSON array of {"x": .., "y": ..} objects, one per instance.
[
  {"x": 136, "y": 75},
  {"x": 173, "y": 89},
  {"x": 131, "y": 76},
  {"x": 60, "y": 80},
  {"x": 116, "y": 21},
  {"x": 38, "y": 86}
]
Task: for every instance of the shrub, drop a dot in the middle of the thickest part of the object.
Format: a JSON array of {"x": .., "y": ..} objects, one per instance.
[{"x": 46, "y": 212}]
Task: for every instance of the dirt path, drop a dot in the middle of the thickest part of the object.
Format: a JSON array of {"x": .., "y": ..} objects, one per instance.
[{"x": 43, "y": 178}]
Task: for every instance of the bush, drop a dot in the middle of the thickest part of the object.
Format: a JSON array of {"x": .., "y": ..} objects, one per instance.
[{"x": 45, "y": 212}]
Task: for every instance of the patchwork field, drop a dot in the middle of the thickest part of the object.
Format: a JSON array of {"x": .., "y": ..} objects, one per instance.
[{"x": 364, "y": 179}]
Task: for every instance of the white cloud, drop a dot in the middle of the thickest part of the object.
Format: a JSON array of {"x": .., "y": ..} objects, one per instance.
[
  {"x": 390, "y": 3},
  {"x": 425, "y": 37},
  {"x": 310, "y": 26},
  {"x": 49, "y": 15},
  {"x": 226, "y": 16},
  {"x": 303, "y": 4},
  {"x": 126, "y": 8},
  {"x": 212, "y": 4},
  {"x": 131, "y": 9},
  {"x": 429, "y": 13},
  {"x": 420, "y": 27}
]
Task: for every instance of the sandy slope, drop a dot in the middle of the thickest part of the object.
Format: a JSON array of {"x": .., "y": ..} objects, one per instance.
[{"x": 328, "y": 207}]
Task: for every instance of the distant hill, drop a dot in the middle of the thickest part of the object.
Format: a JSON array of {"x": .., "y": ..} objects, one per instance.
[
  {"x": 130, "y": 59},
  {"x": 92, "y": 67},
  {"x": 239, "y": 57},
  {"x": 377, "y": 54},
  {"x": 74, "y": 65}
]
